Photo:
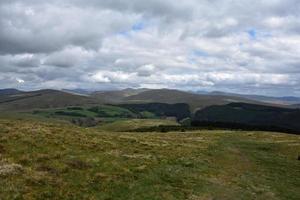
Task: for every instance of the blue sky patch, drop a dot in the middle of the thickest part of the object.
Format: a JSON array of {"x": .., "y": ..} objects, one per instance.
[
  {"x": 252, "y": 34},
  {"x": 200, "y": 53},
  {"x": 138, "y": 26}
]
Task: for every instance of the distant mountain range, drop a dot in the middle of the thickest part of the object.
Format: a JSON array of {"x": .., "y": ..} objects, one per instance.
[
  {"x": 225, "y": 109},
  {"x": 9, "y": 91},
  {"x": 243, "y": 114},
  {"x": 288, "y": 100},
  {"x": 196, "y": 101},
  {"x": 12, "y": 99}
]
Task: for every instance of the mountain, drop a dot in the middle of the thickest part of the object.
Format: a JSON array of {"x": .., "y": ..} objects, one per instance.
[
  {"x": 78, "y": 91},
  {"x": 117, "y": 96},
  {"x": 42, "y": 99},
  {"x": 196, "y": 101},
  {"x": 179, "y": 110},
  {"x": 295, "y": 106},
  {"x": 289, "y": 100},
  {"x": 17, "y": 100},
  {"x": 9, "y": 91},
  {"x": 264, "y": 117}
]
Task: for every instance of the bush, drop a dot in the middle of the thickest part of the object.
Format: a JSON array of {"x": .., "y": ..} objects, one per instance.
[
  {"x": 73, "y": 114},
  {"x": 179, "y": 110},
  {"x": 75, "y": 108},
  {"x": 85, "y": 122}
]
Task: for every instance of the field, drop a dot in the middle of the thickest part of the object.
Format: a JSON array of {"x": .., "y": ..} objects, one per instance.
[
  {"x": 95, "y": 111},
  {"x": 56, "y": 160}
]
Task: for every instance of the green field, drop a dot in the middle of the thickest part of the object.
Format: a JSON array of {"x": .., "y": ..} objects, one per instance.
[
  {"x": 102, "y": 113},
  {"x": 47, "y": 160},
  {"x": 95, "y": 111}
]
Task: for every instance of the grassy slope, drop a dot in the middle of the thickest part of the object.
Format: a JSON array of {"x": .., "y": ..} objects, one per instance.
[
  {"x": 40, "y": 160},
  {"x": 43, "y": 99},
  {"x": 100, "y": 111},
  {"x": 131, "y": 124},
  {"x": 195, "y": 101}
]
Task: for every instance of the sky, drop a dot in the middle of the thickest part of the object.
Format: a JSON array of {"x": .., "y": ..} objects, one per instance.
[{"x": 243, "y": 46}]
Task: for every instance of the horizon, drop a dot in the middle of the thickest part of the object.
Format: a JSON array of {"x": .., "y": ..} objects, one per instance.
[
  {"x": 238, "y": 47},
  {"x": 202, "y": 92}
]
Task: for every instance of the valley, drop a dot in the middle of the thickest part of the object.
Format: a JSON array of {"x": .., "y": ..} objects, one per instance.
[{"x": 61, "y": 145}]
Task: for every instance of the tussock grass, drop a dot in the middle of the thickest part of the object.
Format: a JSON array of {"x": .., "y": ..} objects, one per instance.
[{"x": 47, "y": 160}]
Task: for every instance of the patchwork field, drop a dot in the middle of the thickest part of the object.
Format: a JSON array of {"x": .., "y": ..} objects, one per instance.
[{"x": 46, "y": 160}]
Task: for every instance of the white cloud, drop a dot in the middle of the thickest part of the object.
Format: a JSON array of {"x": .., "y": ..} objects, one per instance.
[
  {"x": 20, "y": 80},
  {"x": 146, "y": 70},
  {"x": 241, "y": 44}
]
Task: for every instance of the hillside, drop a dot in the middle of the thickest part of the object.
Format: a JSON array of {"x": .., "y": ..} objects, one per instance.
[
  {"x": 296, "y": 106},
  {"x": 251, "y": 114},
  {"x": 179, "y": 110},
  {"x": 9, "y": 91},
  {"x": 43, "y": 160},
  {"x": 196, "y": 101},
  {"x": 42, "y": 99},
  {"x": 16, "y": 100},
  {"x": 266, "y": 99},
  {"x": 116, "y": 96}
]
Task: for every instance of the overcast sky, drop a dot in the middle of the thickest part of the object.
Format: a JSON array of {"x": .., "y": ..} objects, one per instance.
[{"x": 246, "y": 46}]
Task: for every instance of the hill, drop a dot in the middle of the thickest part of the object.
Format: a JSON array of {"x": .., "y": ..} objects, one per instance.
[
  {"x": 264, "y": 117},
  {"x": 196, "y": 101},
  {"x": 116, "y": 96},
  {"x": 78, "y": 91},
  {"x": 45, "y": 160},
  {"x": 179, "y": 110},
  {"x": 296, "y": 106},
  {"x": 9, "y": 91},
  {"x": 14, "y": 100},
  {"x": 42, "y": 99},
  {"x": 268, "y": 99}
]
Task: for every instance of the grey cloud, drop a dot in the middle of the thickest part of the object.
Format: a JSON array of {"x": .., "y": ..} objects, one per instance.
[
  {"x": 152, "y": 8},
  {"x": 46, "y": 28},
  {"x": 233, "y": 45}
]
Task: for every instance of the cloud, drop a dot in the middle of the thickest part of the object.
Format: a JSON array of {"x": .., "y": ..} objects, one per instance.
[
  {"x": 241, "y": 45},
  {"x": 20, "y": 80},
  {"x": 146, "y": 70},
  {"x": 69, "y": 57}
]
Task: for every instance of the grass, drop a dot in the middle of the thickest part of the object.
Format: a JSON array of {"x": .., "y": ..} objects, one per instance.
[
  {"x": 96, "y": 111},
  {"x": 122, "y": 125},
  {"x": 47, "y": 160},
  {"x": 103, "y": 112}
]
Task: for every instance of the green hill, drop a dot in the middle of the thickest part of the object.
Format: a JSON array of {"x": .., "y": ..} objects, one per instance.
[
  {"x": 46, "y": 160},
  {"x": 43, "y": 99},
  {"x": 264, "y": 117},
  {"x": 13, "y": 100},
  {"x": 116, "y": 96},
  {"x": 9, "y": 91},
  {"x": 179, "y": 110},
  {"x": 196, "y": 101}
]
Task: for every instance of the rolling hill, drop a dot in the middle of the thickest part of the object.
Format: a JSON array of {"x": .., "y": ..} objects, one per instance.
[
  {"x": 116, "y": 96},
  {"x": 195, "y": 101},
  {"x": 42, "y": 99},
  {"x": 296, "y": 106},
  {"x": 179, "y": 110},
  {"x": 47, "y": 160},
  {"x": 262, "y": 117},
  {"x": 9, "y": 91},
  {"x": 288, "y": 100},
  {"x": 12, "y": 99}
]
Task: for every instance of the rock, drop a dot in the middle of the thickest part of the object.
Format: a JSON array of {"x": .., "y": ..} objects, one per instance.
[{"x": 10, "y": 169}]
